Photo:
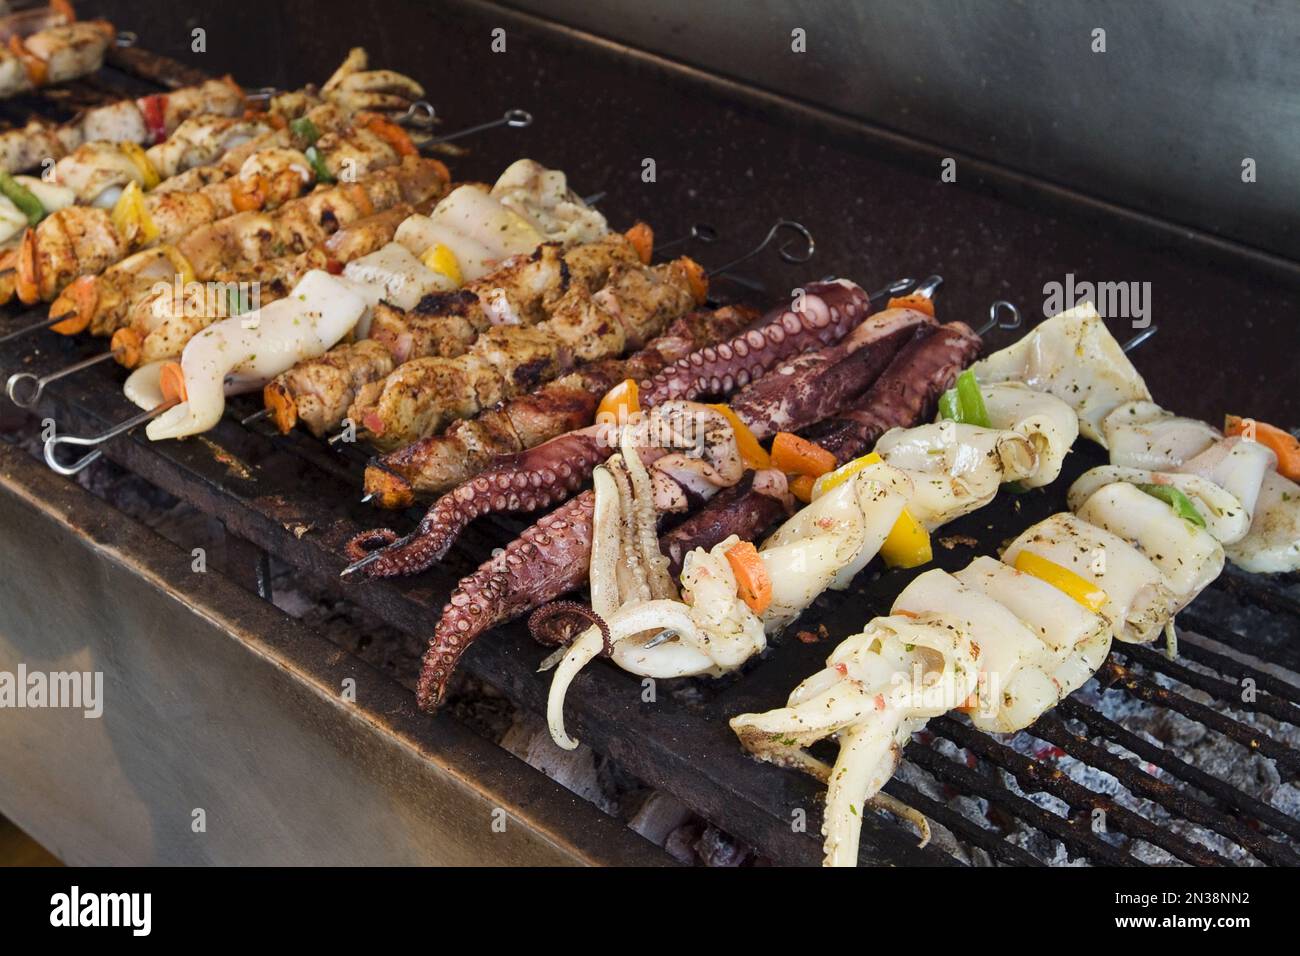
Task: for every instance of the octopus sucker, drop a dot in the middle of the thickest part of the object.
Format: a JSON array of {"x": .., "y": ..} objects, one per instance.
[{"x": 819, "y": 316}]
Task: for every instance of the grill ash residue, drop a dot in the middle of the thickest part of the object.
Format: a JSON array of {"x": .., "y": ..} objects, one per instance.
[{"x": 1209, "y": 751}]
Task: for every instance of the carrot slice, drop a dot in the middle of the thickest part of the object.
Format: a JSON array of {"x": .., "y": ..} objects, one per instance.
[
  {"x": 38, "y": 71},
  {"x": 389, "y": 132},
  {"x": 642, "y": 238},
  {"x": 696, "y": 278},
  {"x": 77, "y": 302},
  {"x": 357, "y": 194},
  {"x": 387, "y": 489},
  {"x": 751, "y": 452},
  {"x": 1285, "y": 445},
  {"x": 171, "y": 379},
  {"x": 801, "y": 486},
  {"x": 793, "y": 454},
  {"x": 126, "y": 343},
  {"x": 620, "y": 403},
  {"x": 249, "y": 194},
  {"x": 752, "y": 580},
  {"x": 921, "y": 303},
  {"x": 284, "y": 408}
]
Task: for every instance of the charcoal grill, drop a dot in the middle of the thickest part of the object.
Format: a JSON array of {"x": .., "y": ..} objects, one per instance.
[{"x": 740, "y": 158}]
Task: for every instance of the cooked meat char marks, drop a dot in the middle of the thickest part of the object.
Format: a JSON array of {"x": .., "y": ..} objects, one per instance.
[
  {"x": 436, "y": 464},
  {"x": 905, "y": 393},
  {"x": 737, "y": 510}
]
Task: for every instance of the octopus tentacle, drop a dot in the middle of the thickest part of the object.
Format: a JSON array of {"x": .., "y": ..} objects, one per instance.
[
  {"x": 823, "y": 313},
  {"x": 547, "y": 560},
  {"x": 367, "y": 542},
  {"x": 539, "y": 619},
  {"x": 527, "y": 481},
  {"x": 554, "y": 471}
]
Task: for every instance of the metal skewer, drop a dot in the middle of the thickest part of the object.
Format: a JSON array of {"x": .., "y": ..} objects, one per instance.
[
  {"x": 55, "y": 441},
  {"x": 36, "y": 327},
  {"x": 419, "y": 115},
  {"x": 1141, "y": 337},
  {"x": 700, "y": 232},
  {"x": 1013, "y": 320},
  {"x": 810, "y": 247},
  {"x": 516, "y": 119},
  {"x": 13, "y": 386}
]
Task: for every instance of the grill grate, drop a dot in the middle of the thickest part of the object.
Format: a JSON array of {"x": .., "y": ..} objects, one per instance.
[{"x": 682, "y": 743}]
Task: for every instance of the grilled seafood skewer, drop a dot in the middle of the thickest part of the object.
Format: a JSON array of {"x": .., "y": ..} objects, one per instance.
[
  {"x": 423, "y": 396},
  {"x": 388, "y": 273},
  {"x": 1027, "y": 631},
  {"x": 553, "y": 556},
  {"x": 788, "y": 400}
]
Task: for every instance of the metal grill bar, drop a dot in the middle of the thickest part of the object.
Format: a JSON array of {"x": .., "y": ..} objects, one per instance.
[
  {"x": 1075, "y": 832},
  {"x": 1142, "y": 784},
  {"x": 990, "y": 841},
  {"x": 1114, "y": 673},
  {"x": 1231, "y": 694},
  {"x": 1223, "y": 793},
  {"x": 1258, "y": 591},
  {"x": 1037, "y": 776},
  {"x": 1230, "y": 666}
]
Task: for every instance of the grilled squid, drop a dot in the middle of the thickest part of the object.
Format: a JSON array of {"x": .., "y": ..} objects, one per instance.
[
  {"x": 878, "y": 687},
  {"x": 1151, "y": 445},
  {"x": 956, "y": 469},
  {"x": 1050, "y": 425},
  {"x": 1002, "y": 645},
  {"x": 241, "y": 354},
  {"x": 1074, "y": 357},
  {"x": 712, "y": 628}
]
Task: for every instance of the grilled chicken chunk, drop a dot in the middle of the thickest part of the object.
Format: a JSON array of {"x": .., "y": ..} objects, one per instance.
[
  {"x": 438, "y": 463},
  {"x": 425, "y": 395},
  {"x": 446, "y": 324}
]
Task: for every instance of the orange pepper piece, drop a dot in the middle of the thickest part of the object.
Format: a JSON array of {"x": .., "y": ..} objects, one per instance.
[
  {"x": 1285, "y": 445},
  {"x": 801, "y": 486},
  {"x": 751, "y": 452},
  {"x": 620, "y": 403},
  {"x": 921, "y": 303},
  {"x": 796, "y": 455},
  {"x": 753, "y": 583}
]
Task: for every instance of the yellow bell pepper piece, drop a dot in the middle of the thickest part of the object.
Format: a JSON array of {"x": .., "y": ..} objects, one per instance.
[
  {"x": 1063, "y": 579},
  {"x": 443, "y": 261},
  {"x": 141, "y": 162},
  {"x": 753, "y": 454},
  {"x": 180, "y": 263},
  {"x": 132, "y": 219},
  {"x": 908, "y": 543},
  {"x": 843, "y": 473}
]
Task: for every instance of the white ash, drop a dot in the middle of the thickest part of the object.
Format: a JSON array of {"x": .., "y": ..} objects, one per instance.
[{"x": 1181, "y": 737}]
